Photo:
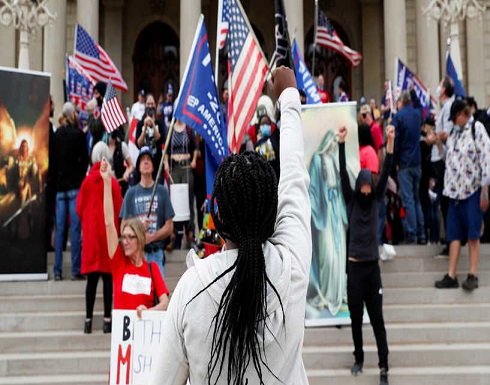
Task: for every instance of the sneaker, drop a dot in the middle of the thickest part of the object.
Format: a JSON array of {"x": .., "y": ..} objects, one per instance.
[
  {"x": 87, "y": 329},
  {"x": 444, "y": 254},
  {"x": 383, "y": 377},
  {"x": 107, "y": 327},
  {"x": 471, "y": 283},
  {"x": 78, "y": 277},
  {"x": 356, "y": 368},
  {"x": 422, "y": 241},
  {"x": 58, "y": 277},
  {"x": 447, "y": 283}
]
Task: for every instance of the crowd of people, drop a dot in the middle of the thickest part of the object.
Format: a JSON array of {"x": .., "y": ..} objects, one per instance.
[{"x": 122, "y": 220}]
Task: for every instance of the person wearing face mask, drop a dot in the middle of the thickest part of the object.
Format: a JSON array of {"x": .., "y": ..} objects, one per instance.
[
  {"x": 94, "y": 121},
  {"x": 466, "y": 183},
  {"x": 267, "y": 144},
  {"x": 150, "y": 132},
  {"x": 437, "y": 137},
  {"x": 364, "y": 284}
]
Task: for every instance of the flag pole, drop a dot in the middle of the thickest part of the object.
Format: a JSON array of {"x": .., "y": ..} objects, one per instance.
[
  {"x": 216, "y": 59},
  {"x": 315, "y": 26},
  {"x": 160, "y": 166}
]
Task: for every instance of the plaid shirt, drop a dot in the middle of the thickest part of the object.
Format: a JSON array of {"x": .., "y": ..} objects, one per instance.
[{"x": 467, "y": 161}]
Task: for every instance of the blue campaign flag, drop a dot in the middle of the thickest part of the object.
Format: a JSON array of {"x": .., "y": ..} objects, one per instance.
[
  {"x": 197, "y": 104},
  {"x": 451, "y": 71},
  {"x": 79, "y": 88},
  {"x": 402, "y": 77},
  {"x": 304, "y": 79}
]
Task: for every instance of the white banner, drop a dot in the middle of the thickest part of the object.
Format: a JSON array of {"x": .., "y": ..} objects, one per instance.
[{"x": 134, "y": 346}]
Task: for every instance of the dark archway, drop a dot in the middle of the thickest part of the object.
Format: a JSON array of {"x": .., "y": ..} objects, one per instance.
[
  {"x": 156, "y": 59},
  {"x": 330, "y": 63}
]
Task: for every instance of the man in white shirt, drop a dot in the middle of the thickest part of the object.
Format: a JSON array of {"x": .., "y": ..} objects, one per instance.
[{"x": 138, "y": 108}]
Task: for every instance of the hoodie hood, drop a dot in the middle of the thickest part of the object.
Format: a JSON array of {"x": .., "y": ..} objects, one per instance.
[
  {"x": 365, "y": 177},
  {"x": 278, "y": 267}
]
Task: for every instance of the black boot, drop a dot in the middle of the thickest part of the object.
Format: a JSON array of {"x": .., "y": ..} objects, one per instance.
[
  {"x": 383, "y": 377},
  {"x": 88, "y": 327},
  {"x": 356, "y": 368}
]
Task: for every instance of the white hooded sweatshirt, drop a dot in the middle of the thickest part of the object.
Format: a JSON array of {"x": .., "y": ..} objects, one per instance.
[{"x": 187, "y": 334}]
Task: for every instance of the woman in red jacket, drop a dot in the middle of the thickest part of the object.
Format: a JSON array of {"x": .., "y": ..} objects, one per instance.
[{"x": 95, "y": 259}]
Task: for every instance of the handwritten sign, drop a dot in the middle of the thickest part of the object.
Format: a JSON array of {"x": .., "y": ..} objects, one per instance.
[{"x": 135, "y": 344}]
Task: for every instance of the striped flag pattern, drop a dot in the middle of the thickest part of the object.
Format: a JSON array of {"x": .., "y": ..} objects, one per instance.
[
  {"x": 112, "y": 114},
  {"x": 95, "y": 60},
  {"x": 247, "y": 67},
  {"x": 223, "y": 24},
  {"x": 326, "y": 36}
]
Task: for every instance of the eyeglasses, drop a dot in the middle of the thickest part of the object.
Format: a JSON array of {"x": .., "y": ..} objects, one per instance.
[{"x": 127, "y": 238}]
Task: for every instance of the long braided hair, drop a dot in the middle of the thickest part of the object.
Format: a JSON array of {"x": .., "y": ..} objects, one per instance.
[{"x": 244, "y": 209}]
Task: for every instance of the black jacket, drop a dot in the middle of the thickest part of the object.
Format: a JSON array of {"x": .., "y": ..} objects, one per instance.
[
  {"x": 71, "y": 157},
  {"x": 362, "y": 215}
]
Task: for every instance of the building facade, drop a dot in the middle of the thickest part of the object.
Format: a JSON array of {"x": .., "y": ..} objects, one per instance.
[{"x": 149, "y": 41}]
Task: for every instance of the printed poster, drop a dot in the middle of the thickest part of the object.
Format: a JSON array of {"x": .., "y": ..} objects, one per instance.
[
  {"x": 326, "y": 301},
  {"x": 24, "y": 150}
]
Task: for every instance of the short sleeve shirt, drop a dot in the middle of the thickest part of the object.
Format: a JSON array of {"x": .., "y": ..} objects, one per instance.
[
  {"x": 137, "y": 203},
  {"x": 134, "y": 286}
]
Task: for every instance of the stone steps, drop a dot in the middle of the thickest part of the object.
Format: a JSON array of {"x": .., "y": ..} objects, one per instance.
[{"x": 435, "y": 336}]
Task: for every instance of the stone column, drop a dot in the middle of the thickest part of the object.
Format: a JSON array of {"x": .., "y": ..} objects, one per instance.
[
  {"x": 113, "y": 30},
  {"x": 427, "y": 48},
  {"x": 476, "y": 61},
  {"x": 371, "y": 53},
  {"x": 395, "y": 30},
  {"x": 455, "y": 50},
  {"x": 88, "y": 17},
  {"x": 294, "y": 14},
  {"x": 7, "y": 42},
  {"x": 189, "y": 15},
  {"x": 54, "y": 52}
]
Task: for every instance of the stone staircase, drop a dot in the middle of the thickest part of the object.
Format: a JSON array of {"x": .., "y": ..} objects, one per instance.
[{"x": 435, "y": 336}]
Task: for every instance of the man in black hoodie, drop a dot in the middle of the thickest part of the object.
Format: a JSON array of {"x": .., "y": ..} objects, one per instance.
[{"x": 363, "y": 274}]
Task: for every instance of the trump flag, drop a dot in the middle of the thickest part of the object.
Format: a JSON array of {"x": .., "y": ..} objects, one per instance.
[
  {"x": 197, "y": 104},
  {"x": 303, "y": 77}
]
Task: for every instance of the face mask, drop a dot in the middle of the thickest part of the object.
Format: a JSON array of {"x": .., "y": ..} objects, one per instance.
[
  {"x": 365, "y": 199},
  {"x": 265, "y": 129},
  {"x": 457, "y": 128},
  {"x": 438, "y": 92}
]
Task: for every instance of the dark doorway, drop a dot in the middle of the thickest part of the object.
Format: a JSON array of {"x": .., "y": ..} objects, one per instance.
[
  {"x": 329, "y": 63},
  {"x": 156, "y": 59}
]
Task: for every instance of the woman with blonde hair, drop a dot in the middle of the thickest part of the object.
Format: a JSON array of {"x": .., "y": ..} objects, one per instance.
[{"x": 137, "y": 283}]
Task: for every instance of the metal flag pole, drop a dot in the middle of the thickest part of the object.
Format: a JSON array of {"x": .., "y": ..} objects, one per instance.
[
  {"x": 160, "y": 167},
  {"x": 315, "y": 26},
  {"x": 216, "y": 58}
]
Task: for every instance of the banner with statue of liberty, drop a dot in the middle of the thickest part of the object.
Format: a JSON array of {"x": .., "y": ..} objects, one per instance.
[{"x": 326, "y": 302}]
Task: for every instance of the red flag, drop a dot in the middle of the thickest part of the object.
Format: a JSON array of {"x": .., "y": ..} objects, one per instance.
[
  {"x": 247, "y": 67},
  {"x": 326, "y": 36}
]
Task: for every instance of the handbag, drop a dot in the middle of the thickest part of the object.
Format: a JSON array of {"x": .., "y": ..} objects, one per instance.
[{"x": 156, "y": 301}]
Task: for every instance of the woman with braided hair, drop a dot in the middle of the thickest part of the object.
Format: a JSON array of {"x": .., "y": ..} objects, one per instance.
[{"x": 237, "y": 317}]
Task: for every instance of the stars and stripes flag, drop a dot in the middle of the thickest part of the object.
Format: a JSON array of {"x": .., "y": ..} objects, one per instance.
[
  {"x": 95, "y": 60},
  {"x": 247, "y": 67},
  {"x": 112, "y": 114},
  {"x": 326, "y": 36},
  {"x": 223, "y": 11}
]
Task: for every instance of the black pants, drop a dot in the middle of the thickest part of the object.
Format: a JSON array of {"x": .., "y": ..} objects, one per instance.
[
  {"x": 364, "y": 286},
  {"x": 91, "y": 290}
]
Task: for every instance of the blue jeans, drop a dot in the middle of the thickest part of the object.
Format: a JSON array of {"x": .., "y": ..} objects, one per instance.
[
  {"x": 66, "y": 201},
  {"x": 409, "y": 180},
  {"x": 157, "y": 256}
]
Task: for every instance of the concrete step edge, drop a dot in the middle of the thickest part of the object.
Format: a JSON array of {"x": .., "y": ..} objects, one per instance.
[
  {"x": 405, "y": 371},
  {"x": 56, "y": 379},
  {"x": 406, "y": 347}
]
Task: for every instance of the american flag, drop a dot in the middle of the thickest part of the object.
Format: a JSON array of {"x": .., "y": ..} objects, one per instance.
[
  {"x": 326, "y": 36},
  {"x": 247, "y": 67},
  {"x": 95, "y": 60},
  {"x": 223, "y": 23},
  {"x": 112, "y": 112}
]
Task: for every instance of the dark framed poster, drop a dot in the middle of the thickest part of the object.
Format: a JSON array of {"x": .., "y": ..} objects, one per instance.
[{"x": 24, "y": 151}]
